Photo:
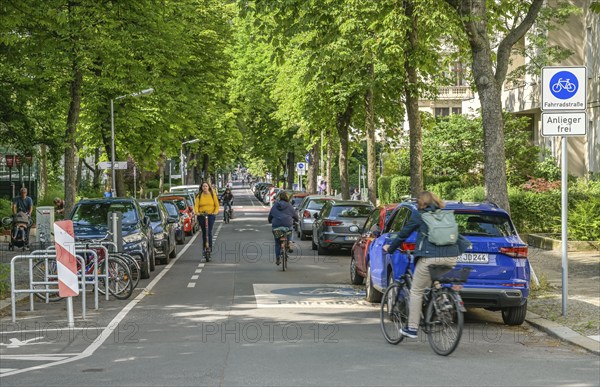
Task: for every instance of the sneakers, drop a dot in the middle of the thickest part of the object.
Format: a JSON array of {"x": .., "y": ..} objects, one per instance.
[{"x": 408, "y": 332}]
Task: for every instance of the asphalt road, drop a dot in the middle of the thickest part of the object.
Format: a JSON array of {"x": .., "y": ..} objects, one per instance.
[{"x": 240, "y": 320}]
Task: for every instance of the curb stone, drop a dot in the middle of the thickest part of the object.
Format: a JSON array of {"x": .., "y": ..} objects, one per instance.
[{"x": 563, "y": 333}]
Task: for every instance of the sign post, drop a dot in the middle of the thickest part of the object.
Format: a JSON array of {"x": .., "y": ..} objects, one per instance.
[
  {"x": 564, "y": 99},
  {"x": 300, "y": 170},
  {"x": 68, "y": 285}
]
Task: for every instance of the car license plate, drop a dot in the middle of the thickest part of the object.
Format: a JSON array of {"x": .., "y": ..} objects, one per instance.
[
  {"x": 474, "y": 258},
  {"x": 351, "y": 238}
]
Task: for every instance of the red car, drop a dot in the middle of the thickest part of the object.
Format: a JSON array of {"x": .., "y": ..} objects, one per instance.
[
  {"x": 372, "y": 229},
  {"x": 187, "y": 212}
]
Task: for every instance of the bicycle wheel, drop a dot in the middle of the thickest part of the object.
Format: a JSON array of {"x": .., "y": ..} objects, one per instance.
[
  {"x": 226, "y": 216},
  {"x": 120, "y": 284},
  {"x": 394, "y": 312},
  {"x": 283, "y": 260},
  {"x": 134, "y": 267},
  {"x": 444, "y": 322},
  {"x": 39, "y": 275}
]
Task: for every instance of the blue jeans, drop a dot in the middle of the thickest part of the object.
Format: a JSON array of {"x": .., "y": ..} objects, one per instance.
[
  {"x": 278, "y": 245},
  {"x": 211, "y": 221}
]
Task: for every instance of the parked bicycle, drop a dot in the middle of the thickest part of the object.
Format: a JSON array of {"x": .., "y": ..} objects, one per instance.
[
  {"x": 282, "y": 233},
  {"x": 442, "y": 311}
]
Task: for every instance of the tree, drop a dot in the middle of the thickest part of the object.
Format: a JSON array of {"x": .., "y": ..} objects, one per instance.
[{"x": 489, "y": 72}]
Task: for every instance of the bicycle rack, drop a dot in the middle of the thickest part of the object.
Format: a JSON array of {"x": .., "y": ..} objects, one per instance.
[{"x": 31, "y": 290}]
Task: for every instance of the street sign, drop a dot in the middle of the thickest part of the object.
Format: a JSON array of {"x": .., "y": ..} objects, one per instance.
[
  {"x": 107, "y": 165},
  {"x": 300, "y": 168},
  {"x": 564, "y": 88},
  {"x": 564, "y": 124},
  {"x": 307, "y": 157}
]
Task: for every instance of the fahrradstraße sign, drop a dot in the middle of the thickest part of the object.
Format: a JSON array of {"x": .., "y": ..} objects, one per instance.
[{"x": 564, "y": 88}]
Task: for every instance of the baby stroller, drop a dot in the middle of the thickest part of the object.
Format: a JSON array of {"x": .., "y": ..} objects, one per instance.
[{"x": 19, "y": 233}]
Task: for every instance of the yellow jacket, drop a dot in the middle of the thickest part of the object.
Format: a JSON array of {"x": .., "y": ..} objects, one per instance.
[{"x": 205, "y": 204}]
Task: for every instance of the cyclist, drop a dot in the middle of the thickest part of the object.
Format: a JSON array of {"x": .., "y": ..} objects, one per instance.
[
  {"x": 227, "y": 200},
  {"x": 206, "y": 204},
  {"x": 282, "y": 214},
  {"x": 426, "y": 254}
]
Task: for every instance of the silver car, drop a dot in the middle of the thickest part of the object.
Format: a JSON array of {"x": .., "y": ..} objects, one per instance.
[
  {"x": 311, "y": 205},
  {"x": 338, "y": 224}
]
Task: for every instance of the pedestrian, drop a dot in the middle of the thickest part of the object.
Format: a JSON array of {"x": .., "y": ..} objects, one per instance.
[
  {"x": 355, "y": 194},
  {"x": 23, "y": 204},
  {"x": 426, "y": 254},
  {"x": 107, "y": 193},
  {"x": 59, "y": 208}
]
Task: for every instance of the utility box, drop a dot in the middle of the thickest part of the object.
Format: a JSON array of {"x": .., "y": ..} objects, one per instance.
[{"x": 44, "y": 225}]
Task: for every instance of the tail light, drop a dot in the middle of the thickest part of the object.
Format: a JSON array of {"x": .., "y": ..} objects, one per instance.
[
  {"x": 515, "y": 252},
  {"x": 330, "y": 223},
  {"x": 407, "y": 246},
  {"x": 306, "y": 214}
]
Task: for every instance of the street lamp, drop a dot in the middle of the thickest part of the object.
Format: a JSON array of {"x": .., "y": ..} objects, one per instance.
[
  {"x": 112, "y": 131},
  {"x": 182, "y": 166}
]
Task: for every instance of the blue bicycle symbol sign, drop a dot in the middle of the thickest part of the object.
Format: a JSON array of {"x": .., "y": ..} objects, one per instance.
[{"x": 564, "y": 85}]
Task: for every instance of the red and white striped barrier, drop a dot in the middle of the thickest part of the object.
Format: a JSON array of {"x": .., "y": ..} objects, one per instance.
[{"x": 64, "y": 238}]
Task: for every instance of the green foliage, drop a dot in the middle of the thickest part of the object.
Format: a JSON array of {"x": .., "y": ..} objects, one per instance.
[
  {"x": 384, "y": 189},
  {"x": 4, "y": 280},
  {"x": 399, "y": 188},
  {"x": 534, "y": 211},
  {"x": 547, "y": 168},
  {"x": 445, "y": 189},
  {"x": 584, "y": 219},
  {"x": 469, "y": 194},
  {"x": 5, "y": 209}
]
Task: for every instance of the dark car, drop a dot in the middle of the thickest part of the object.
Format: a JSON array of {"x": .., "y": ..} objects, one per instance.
[
  {"x": 372, "y": 228},
  {"x": 500, "y": 271},
  {"x": 90, "y": 222},
  {"x": 163, "y": 227},
  {"x": 174, "y": 213},
  {"x": 187, "y": 211},
  {"x": 309, "y": 206},
  {"x": 338, "y": 224}
]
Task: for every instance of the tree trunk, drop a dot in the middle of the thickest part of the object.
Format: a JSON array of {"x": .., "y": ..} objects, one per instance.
[
  {"x": 313, "y": 169},
  {"x": 291, "y": 170},
  {"x": 329, "y": 166},
  {"x": 342, "y": 123},
  {"x": 43, "y": 184},
  {"x": 370, "y": 129},
  {"x": 79, "y": 175},
  {"x": 161, "y": 173},
  {"x": 70, "y": 150},
  {"x": 412, "y": 107},
  {"x": 96, "y": 171}
]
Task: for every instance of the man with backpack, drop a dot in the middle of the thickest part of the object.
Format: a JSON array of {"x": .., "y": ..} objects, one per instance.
[{"x": 438, "y": 243}]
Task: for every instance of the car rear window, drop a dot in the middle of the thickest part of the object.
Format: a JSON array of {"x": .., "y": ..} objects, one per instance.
[
  {"x": 171, "y": 208},
  {"x": 97, "y": 213},
  {"x": 493, "y": 225},
  {"x": 180, "y": 203},
  {"x": 151, "y": 211},
  {"x": 316, "y": 204},
  {"x": 350, "y": 211}
]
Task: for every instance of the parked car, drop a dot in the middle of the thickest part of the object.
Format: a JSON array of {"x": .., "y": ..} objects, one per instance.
[
  {"x": 499, "y": 279},
  {"x": 372, "y": 228},
  {"x": 90, "y": 222},
  {"x": 338, "y": 224},
  {"x": 309, "y": 206},
  {"x": 190, "y": 198},
  {"x": 163, "y": 228},
  {"x": 296, "y": 198},
  {"x": 189, "y": 219},
  {"x": 174, "y": 213}
]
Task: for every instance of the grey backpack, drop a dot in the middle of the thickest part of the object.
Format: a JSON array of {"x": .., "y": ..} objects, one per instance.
[{"x": 443, "y": 230}]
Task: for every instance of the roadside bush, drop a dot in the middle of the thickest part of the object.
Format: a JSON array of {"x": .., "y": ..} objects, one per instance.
[
  {"x": 534, "y": 211},
  {"x": 4, "y": 280},
  {"x": 445, "y": 190},
  {"x": 384, "y": 189},
  {"x": 548, "y": 168},
  {"x": 584, "y": 220},
  {"x": 471, "y": 194},
  {"x": 399, "y": 188}
]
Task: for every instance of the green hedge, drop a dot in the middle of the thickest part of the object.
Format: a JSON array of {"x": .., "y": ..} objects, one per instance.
[
  {"x": 399, "y": 188},
  {"x": 384, "y": 184}
]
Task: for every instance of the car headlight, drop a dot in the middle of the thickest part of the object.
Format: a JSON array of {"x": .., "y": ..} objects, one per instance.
[{"x": 133, "y": 241}]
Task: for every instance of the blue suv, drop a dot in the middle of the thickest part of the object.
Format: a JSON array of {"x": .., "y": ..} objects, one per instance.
[
  {"x": 90, "y": 221},
  {"x": 499, "y": 279}
]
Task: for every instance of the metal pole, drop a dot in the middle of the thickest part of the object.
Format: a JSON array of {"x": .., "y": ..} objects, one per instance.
[
  {"x": 134, "y": 183},
  {"x": 170, "y": 171},
  {"x": 565, "y": 192},
  {"x": 112, "y": 139},
  {"x": 70, "y": 319},
  {"x": 181, "y": 165}
]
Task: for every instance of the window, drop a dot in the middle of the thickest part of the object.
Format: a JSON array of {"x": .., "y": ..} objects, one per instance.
[
  {"x": 316, "y": 204},
  {"x": 456, "y": 110},
  {"x": 372, "y": 220},
  {"x": 442, "y": 112},
  {"x": 350, "y": 211},
  {"x": 399, "y": 220},
  {"x": 483, "y": 225}
]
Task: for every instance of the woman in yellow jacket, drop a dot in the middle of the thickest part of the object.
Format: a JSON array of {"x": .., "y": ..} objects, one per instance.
[{"x": 206, "y": 204}]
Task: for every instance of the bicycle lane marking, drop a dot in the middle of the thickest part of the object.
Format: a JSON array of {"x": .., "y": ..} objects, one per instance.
[
  {"x": 109, "y": 330},
  {"x": 201, "y": 265}
]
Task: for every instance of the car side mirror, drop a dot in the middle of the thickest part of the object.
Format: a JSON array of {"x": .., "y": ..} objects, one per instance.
[{"x": 171, "y": 220}]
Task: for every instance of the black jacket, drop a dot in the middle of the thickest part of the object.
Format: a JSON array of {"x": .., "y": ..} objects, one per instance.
[
  {"x": 425, "y": 248},
  {"x": 282, "y": 214}
]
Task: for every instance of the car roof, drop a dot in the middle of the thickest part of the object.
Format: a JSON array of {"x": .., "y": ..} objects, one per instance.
[
  {"x": 463, "y": 206},
  {"x": 337, "y": 202},
  {"x": 106, "y": 200}
]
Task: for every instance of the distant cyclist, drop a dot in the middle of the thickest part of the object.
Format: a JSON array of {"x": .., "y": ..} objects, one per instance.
[
  {"x": 227, "y": 200},
  {"x": 282, "y": 214}
]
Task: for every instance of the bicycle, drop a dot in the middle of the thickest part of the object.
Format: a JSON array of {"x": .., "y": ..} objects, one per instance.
[
  {"x": 282, "y": 233},
  {"x": 564, "y": 84},
  {"x": 227, "y": 212},
  {"x": 206, "y": 250},
  {"x": 441, "y": 313}
]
